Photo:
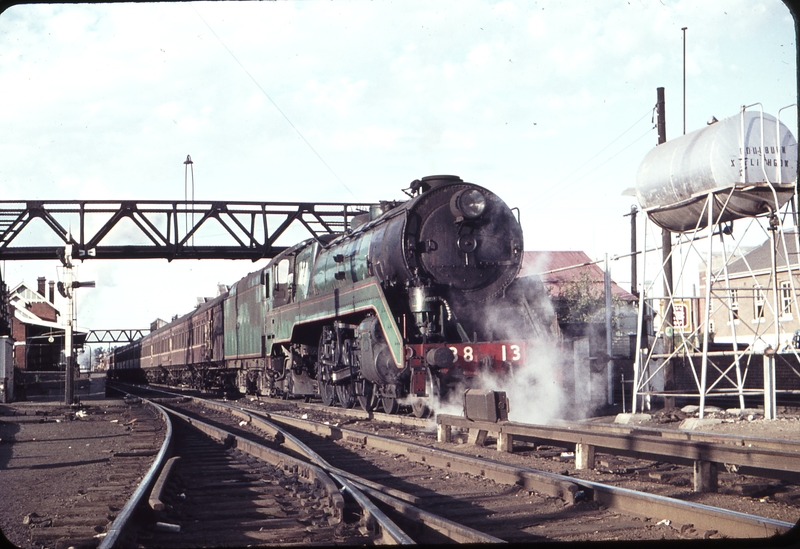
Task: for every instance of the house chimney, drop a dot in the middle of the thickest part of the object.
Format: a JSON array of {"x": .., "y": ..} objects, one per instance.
[
  {"x": 52, "y": 291},
  {"x": 41, "y": 280}
]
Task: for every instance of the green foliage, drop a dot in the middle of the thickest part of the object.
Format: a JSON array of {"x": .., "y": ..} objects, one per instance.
[{"x": 582, "y": 300}]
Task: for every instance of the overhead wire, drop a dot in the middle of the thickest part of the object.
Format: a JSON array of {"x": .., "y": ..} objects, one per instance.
[
  {"x": 560, "y": 186},
  {"x": 274, "y": 104}
]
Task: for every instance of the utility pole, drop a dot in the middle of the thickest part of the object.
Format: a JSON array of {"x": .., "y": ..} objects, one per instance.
[
  {"x": 666, "y": 254},
  {"x": 634, "y": 252},
  {"x": 684, "y": 79}
]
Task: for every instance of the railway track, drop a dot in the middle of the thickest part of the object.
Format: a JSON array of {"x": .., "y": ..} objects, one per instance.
[
  {"x": 362, "y": 522},
  {"x": 701, "y": 519},
  {"x": 509, "y": 503},
  {"x": 217, "y": 494}
]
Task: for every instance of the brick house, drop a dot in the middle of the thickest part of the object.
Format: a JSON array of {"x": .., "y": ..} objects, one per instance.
[
  {"x": 35, "y": 328},
  {"x": 748, "y": 303}
]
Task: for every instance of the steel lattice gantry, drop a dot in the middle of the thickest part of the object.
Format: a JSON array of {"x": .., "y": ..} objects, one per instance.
[
  {"x": 115, "y": 336},
  {"x": 145, "y": 229}
]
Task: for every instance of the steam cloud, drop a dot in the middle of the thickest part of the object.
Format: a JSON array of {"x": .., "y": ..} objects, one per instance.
[{"x": 542, "y": 389}]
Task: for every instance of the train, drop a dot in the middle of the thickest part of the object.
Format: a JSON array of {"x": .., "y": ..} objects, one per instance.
[{"x": 412, "y": 304}]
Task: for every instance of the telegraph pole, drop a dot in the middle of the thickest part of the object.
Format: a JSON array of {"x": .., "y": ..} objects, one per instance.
[
  {"x": 634, "y": 252},
  {"x": 666, "y": 253},
  {"x": 684, "y": 79}
]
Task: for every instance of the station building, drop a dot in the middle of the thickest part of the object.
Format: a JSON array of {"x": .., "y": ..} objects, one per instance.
[{"x": 36, "y": 340}]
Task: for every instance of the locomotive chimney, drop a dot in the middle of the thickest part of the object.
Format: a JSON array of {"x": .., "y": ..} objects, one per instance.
[{"x": 432, "y": 181}]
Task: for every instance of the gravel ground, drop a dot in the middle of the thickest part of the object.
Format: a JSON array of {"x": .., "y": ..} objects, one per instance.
[
  {"x": 739, "y": 493},
  {"x": 52, "y": 456},
  {"x": 49, "y": 457},
  {"x": 747, "y": 422}
]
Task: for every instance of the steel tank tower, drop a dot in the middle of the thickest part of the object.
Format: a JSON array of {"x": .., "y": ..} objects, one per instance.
[{"x": 693, "y": 188}]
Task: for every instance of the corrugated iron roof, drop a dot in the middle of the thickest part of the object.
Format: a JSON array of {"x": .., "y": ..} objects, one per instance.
[{"x": 557, "y": 267}]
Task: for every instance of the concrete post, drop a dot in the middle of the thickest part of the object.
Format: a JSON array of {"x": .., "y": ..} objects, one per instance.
[
  {"x": 705, "y": 476},
  {"x": 477, "y": 437},
  {"x": 505, "y": 442},
  {"x": 444, "y": 433},
  {"x": 584, "y": 456}
]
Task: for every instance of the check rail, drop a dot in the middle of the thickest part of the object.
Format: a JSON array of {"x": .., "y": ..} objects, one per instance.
[{"x": 753, "y": 456}]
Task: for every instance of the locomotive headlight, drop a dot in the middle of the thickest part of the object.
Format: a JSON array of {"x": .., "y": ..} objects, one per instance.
[{"x": 468, "y": 203}]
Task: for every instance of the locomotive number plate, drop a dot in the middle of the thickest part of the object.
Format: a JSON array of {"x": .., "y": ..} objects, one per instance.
[{"x": 466, "y": 353}]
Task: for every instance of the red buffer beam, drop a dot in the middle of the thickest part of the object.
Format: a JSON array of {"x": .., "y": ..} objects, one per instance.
[{"x": 145, "y": 229}]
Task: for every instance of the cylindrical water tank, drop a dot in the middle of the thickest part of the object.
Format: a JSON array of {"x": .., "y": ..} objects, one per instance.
[{"x": 732, "y": 160}]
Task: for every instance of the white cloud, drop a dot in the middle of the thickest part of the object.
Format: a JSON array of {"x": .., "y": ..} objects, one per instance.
[
  {"x": 536, "y": 26},
  {"x": 107, "y": 100},
  {"x": 366, "y": 138},
  {"x": 480, "y": 55}
]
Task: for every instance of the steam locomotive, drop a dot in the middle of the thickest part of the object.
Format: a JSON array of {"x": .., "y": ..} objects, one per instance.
[{"x": 411, "y": 305}]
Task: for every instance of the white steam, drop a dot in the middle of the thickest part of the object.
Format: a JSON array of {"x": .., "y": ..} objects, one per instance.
[{"x": 540, "y": 389}]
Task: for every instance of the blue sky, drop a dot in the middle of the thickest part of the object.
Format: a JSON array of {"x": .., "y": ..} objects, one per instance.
[{"x": 549, "y": 104}]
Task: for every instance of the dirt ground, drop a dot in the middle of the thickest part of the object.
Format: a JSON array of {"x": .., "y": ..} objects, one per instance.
[
  {"x": 746, "y": 422},
  {"x": 53, "y": 456}
]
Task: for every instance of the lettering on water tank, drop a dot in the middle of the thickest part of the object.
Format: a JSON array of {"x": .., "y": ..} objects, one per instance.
[{"x": 772, "y": 162}]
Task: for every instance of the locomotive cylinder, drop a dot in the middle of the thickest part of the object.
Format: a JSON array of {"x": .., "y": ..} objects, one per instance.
[
  {"x": 732, "y": 159},
  {"x": 375, "y": 358}
]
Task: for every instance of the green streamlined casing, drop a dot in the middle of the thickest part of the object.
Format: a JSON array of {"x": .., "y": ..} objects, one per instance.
[{"x": 361, "y": 297}]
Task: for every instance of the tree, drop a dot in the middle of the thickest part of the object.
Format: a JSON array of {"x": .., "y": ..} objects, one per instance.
[{"x": 582, "y": 300}]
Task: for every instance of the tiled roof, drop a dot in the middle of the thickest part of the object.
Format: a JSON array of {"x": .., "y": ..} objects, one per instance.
[{"x": 760, "y": 258}]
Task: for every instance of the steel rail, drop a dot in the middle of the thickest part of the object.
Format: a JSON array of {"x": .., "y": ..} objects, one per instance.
[
  {"x": 400, "y": 501},
  {"x": 310, "y": 471},
  {"x": 701, "y": 516},
  {"x": 769, "y": 458},
  {"x": 729, "y": 523},
  {"x": 123, "y": 520},
  {"x": 292, "y": 442},
  {"x": 390, "y": 532}
]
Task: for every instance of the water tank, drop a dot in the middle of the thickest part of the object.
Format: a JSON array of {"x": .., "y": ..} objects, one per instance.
[{"x": 733, "y": 160}]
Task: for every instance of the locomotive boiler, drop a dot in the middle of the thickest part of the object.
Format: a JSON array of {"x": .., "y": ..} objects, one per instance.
[{"x": 418, "y": 299}]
